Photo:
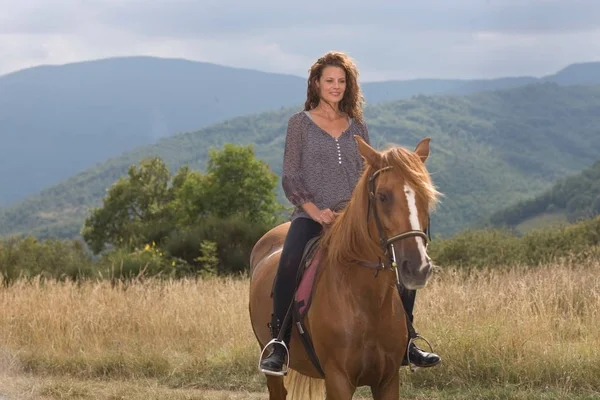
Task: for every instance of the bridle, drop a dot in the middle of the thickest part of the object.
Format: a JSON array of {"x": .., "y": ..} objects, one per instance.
[{"x": 387, "y": 244}]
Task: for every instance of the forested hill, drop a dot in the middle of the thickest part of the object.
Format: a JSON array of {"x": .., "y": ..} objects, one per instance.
[
  {"x": 489, "y": 150},
  {"x": 571, "y": 198},
  {"x": 56, "y": 121}
]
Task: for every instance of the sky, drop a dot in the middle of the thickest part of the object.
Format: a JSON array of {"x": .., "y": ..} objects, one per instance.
[{"x": 388, "y": 39}]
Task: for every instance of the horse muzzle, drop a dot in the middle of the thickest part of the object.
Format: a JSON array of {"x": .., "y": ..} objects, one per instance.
[{"x": 415, "y": 274}]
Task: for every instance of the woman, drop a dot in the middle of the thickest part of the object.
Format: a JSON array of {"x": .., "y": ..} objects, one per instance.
[{"x": 321, "y": 166}]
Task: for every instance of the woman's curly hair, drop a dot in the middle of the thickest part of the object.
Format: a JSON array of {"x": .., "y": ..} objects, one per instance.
[{"x": 353, "y": 99}]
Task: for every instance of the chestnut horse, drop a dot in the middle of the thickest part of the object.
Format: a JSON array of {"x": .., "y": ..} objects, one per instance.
[{"x": 356, "y": 319}]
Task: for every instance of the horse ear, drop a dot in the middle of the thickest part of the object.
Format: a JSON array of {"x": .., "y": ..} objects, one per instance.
[
  {"x": 371, "y": 155},
  {"x": 422, "y": 149}
]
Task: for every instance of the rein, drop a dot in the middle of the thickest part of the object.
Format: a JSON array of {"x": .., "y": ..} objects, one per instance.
[{"x": 387, "y": 244}]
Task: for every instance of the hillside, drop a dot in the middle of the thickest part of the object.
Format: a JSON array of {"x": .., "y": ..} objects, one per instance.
[
  {"x": 570, "y": 199},
  {"x": 488, "y": 150},
  {"x": 56, "y": 121}
]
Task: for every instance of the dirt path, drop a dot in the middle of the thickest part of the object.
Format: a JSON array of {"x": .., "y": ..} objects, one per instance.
[
  {"x": 27, "y": 387},
  {"x": 48, "y": 388}
]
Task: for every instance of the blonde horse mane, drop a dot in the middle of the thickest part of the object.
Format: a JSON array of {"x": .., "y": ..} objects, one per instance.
[{"x": 348, "y": 239}]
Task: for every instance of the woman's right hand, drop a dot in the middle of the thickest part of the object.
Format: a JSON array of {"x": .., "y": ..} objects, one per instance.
[{"x": 325, "y": 217}]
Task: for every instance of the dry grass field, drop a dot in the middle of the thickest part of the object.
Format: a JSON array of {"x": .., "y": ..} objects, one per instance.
[{"x": 505, "y": 333}]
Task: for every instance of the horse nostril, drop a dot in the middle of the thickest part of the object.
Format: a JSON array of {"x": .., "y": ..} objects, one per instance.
[
  {"x": 405, "y": 267},
  {"x": 429, "y": 267}
]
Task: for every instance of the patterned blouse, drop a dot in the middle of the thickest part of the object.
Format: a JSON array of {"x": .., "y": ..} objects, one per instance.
[{"x": 318, "y": 168}]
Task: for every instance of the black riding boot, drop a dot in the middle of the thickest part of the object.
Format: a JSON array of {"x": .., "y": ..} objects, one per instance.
[
  {"x": 417, "y": 356},
  {"x": 273, "y": 363}
]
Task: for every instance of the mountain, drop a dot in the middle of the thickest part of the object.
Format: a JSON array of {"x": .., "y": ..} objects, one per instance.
[
  {"x": 568, "y": 200},
  {"x": 56, "y": 121},
  {"x": 575, "y": 74},
  {"x": 489, "y": 150}
]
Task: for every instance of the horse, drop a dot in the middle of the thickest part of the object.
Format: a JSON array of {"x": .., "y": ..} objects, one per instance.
[{"x": 356, "y": 321}]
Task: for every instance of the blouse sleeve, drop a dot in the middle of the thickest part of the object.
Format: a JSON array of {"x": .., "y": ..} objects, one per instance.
[
  {"x": 292, "y": 180},
  {"x": 365, "y": 133}
]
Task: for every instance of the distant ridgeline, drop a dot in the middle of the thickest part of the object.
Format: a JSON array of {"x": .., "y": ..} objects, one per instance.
[{"x": 575, "y": 197}]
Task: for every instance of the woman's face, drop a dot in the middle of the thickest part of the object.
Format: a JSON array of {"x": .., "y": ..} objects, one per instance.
[{"x": 332, "y": 84}]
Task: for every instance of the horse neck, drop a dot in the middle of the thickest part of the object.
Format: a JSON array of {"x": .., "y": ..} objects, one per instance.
[
  {"x": 359, "y": 289},
  {"x": 347, "y": 245},
  {"x": 350, "y": 239}
]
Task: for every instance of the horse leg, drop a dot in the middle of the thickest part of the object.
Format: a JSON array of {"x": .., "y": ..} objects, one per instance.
[
  {"x": 337, "y": 386},
  {"x": 387, "y": 390},
  {"x": 276, "y": 388}
]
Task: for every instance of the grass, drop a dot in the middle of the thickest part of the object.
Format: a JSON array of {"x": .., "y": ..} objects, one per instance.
[{"x": 506, "y": 333}]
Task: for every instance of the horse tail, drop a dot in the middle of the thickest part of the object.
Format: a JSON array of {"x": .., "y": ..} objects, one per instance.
[{"x": 301, "y": 387}]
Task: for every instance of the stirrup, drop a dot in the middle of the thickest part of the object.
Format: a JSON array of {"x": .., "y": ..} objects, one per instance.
[
  {"x": 286, "y": 366},
  {"x": 413, "y": 367}
]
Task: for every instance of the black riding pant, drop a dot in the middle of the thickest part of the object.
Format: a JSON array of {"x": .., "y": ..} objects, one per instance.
[
  {"x": 300, "y": 232},
  {"x": 408, "y": 299}
]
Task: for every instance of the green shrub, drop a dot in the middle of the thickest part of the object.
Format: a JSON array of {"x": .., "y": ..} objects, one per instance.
[
  {"x": 208, "y": 259},
  {"x": 497, "y": 248},
  {"x": 150, "y": 261},
  {"x": 477, "y": 248},
  {"x": 569, "y": 241},
  {"x": 26, "y": 257},
  {"x": 234, "y": 239}
]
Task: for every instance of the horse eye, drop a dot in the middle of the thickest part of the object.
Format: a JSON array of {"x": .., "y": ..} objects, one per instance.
[{"x": 382, "y": 197}]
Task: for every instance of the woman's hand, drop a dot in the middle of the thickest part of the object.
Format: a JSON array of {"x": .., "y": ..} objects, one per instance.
[{"x": 326, "y": 217}]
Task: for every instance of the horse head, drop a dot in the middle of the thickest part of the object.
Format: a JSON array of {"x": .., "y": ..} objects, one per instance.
[{"x": 400, "y": 196}]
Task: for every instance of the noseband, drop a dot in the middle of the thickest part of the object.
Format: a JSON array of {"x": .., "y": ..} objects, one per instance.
[{"x": 387, "y": 244}]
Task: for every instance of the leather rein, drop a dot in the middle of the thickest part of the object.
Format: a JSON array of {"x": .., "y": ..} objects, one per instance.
[{"x": 387, "y": 243}]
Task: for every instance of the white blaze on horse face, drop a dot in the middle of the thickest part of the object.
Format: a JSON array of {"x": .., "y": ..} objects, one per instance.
[{"x": 413, "y": 217}]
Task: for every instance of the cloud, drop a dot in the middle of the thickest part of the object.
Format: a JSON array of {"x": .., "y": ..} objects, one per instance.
[
  {"x": 182, "y": 18},
  {"x": 389, "y": 40}
]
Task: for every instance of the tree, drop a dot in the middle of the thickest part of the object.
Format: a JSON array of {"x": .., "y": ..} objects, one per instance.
[
  {"x": 189, "y": 198},
  {"x": 239, "y": 184},
  {"x": 149, "y": 204},
  {"x": 134, "y": 210}
]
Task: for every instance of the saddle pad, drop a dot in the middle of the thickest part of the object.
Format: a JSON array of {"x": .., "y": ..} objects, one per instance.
[{"x": 304, "y": 292}]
